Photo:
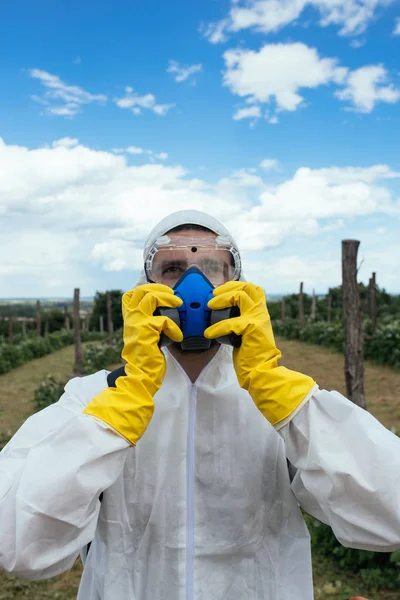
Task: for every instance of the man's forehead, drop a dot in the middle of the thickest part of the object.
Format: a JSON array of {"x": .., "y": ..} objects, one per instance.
[{"x": 192, "y": 234}]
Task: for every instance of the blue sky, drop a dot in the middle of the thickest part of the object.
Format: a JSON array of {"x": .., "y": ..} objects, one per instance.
[{"x": 280, "y": 118}]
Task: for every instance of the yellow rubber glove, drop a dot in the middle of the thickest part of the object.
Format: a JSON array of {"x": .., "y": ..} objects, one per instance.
[
  {"x": 129, "y": 406},
  {"x": 275, "y": 390}
]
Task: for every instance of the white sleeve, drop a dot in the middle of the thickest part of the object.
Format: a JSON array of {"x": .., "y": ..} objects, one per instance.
[
  {"x": 347, "y": 471},
  {"x": 51, "y": 475}
]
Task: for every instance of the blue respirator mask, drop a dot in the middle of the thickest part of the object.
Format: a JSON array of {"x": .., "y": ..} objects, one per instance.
[
  {"x": 193, "y": 270},
  {"x": 194, "y": 316}
]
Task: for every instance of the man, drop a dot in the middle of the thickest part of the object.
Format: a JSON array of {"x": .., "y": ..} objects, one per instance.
[{"x": 190, "y": 452}]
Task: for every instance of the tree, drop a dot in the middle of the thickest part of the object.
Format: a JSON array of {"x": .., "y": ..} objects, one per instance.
[{"x": 100, "y": 309}]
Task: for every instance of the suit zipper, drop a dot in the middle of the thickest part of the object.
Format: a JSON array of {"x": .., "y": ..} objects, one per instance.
[{"x": 190, "y": 464}]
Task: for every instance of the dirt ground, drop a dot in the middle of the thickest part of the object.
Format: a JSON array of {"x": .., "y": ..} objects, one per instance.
[
  {"x": 382, "y": 384},
  {"x": 382, "y": 390}
]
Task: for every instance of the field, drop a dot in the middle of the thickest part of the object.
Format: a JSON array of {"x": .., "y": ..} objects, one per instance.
[{"x": 382, "y": 392}]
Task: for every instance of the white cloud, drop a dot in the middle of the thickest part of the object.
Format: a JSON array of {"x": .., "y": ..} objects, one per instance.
[
  {"x": 396, "y": 30},
  {"x": 78, "y": 210},
  {"x": 117, "y": 254},
  {"x": 162, "y": 109},
  {"x": 65, "y": 142},
  {"x": 351, "y": 16},
  {"x": 136, "y": 150},
  {"x": 270, "y": 164},
  {"x": 71, "y": 96},
  {"x": 328, "y": 193},
  {"x": 366, "y": 86},
  {"x": 39, "y": 100},
  {"x": 290, "y": 270},
  {"x": 277, "y": 72},
  {"x": 245, "y": 178},
  {"x": 136, "y": 103},
  {"x": 216, "y": 32},
  {"x": 183, "y": 72},
  {"x": 247, "y": 113}
]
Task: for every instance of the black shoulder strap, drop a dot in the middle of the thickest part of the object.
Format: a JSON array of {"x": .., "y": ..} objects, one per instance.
[
  {"x": 113, "y": 376},
  {"x": 111, "y": 379}
]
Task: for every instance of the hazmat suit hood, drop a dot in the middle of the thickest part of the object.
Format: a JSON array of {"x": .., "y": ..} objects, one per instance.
[{"x": 185, "y": 217}]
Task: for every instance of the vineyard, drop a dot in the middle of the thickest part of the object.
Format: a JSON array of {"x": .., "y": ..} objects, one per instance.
[
  {"x": 381, "y": 346},
  {"x": 35, "y": 364},
  {"x": 338, "y": 573}
]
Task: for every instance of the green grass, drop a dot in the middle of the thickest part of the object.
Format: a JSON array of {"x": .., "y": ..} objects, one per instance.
[{"x": 381, "y": 383}]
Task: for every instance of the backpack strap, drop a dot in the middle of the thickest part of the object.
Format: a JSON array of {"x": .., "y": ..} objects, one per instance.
[{"x": 113, "y": 376}]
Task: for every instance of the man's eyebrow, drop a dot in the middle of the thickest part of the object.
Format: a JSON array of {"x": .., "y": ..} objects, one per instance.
[{"x": 174, "y": 261}]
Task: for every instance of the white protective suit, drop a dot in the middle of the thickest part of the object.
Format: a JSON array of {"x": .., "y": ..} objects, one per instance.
[{"x": 203, "y": 507}]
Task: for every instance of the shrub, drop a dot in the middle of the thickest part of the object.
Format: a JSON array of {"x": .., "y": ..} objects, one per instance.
[
  {"x": 96, "y": 357},
  {"x": 28, "y": 348},
  {"x": 48, "y": 392},
  {"x": 378, "y": 570},
  {"x": 99, "y": 356},
  {"x": 382, "y": 347}
]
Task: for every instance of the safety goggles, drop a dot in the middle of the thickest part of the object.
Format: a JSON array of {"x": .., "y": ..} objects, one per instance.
[{"x": 168, "y": 259}]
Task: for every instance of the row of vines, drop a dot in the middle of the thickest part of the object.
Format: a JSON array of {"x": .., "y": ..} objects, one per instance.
[{"x": 381, "y": 347}]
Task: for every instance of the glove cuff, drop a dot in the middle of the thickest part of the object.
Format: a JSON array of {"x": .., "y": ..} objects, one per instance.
[
  {"x": 128, "y": 408},
  {"x": 279, "y": 392}
]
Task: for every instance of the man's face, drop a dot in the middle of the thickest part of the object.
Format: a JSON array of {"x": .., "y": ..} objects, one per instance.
[{"x": 216, "y": 264}]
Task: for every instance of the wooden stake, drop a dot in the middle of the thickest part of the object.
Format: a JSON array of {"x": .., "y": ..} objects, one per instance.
[
  {"x": 67, "y": 324},
  {"x": 369, "y": 298},
  {"x": 11, "y": 329},
  {"x": 110, "y": 328},
  {"x": 329, "y": 307},
  {"x": 38, "y": 319},
  {"x": 301, "y": 306},
  {"x": 314, "y": 305},
  {"x": 101, "y": 319},
  {"x": 373, "y": 302},
  {"x": 354, "y": 342},
  {"x": 78, "y": 364}
]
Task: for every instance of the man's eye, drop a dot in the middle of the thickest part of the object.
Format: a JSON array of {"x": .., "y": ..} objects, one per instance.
[
  {"x": 213, "y": 265},
  {"x": 172, "y": 269}
]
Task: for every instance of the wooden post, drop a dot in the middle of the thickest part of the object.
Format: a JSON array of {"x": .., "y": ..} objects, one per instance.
[
  {"x": 329, "y": 300},
  {"x": 373, "y": 302},
  {"x": 354, "y": 342},
  {"x": 283, "y": 303},
  {"x": 314, "y": 305},
  {"x": 78, "y": 364},
  {"x": 301, "y": 306},
  {"x": 38, "y": 319},
  {"x": 67, "y": 324},
  {"x": 88, "y": 317},
  {"x": 110, "y": 328},
  {"x": 23, "y": 327},
  {"x": 11, "y": 329},
  {"x": 101, "y": 319},
  {"x": 369, "y": 298}
]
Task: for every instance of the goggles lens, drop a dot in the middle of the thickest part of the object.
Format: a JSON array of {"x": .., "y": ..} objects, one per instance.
[{"x": 168, "y": 260}]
